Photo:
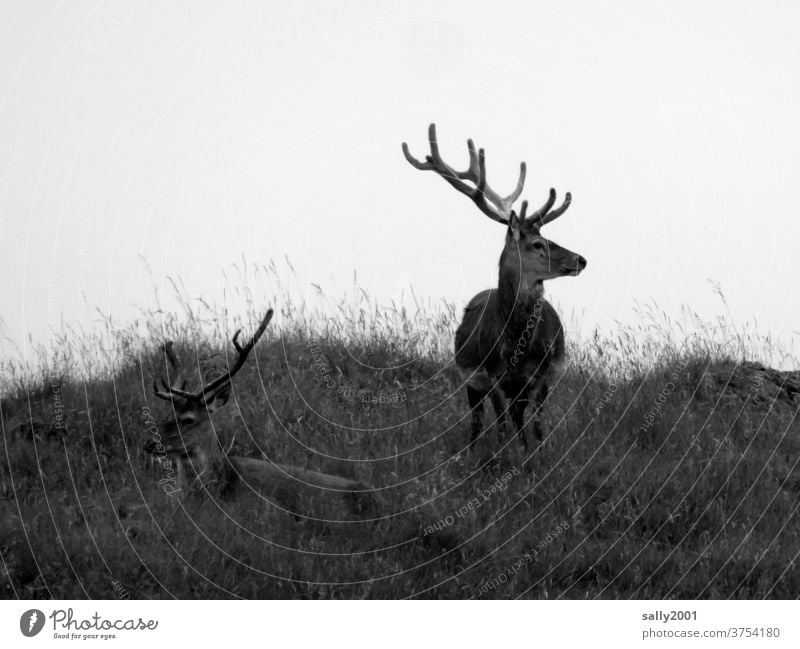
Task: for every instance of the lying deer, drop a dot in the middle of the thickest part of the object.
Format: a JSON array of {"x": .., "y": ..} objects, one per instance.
[
  {"x": 511, "y": 336},
  {"x": 189, "y": 439}
]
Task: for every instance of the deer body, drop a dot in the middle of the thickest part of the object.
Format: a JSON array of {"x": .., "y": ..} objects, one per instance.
[
  {"x": 510, "y": 337},
  {"x": 506, "y": 346}
]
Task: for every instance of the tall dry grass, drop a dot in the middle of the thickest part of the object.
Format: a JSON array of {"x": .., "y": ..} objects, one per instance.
[{"x": 667, "y": 472}]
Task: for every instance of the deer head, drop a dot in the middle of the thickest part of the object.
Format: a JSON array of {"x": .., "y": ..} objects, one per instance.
[
  {"x": 188, "y": 435},
  {"x": 526, "y": 251}
]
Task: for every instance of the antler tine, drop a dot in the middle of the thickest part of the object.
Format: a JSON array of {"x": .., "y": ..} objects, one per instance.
[
  {"x": 434, "y": 143},
  {"x": 523, "y": 211},
  {"x": 167, "y": 396},
  {"x": 523, "y": 172},
  {"x": 551, "y": 198},
  {"x": 500, "y": 208},
  {"x": 169, "y": 392},
  {"x": 176, "y": 365},
  {"x": 435, "y": 163},
  {"x": 477, "y": 174},
  {"x": 473, "y": 158},
  {"x": 547, "y": 217},
  {"x": 413, "y": 161},
  {"x": 242, "y": 351},
  {"x": 430, "y": 160}
]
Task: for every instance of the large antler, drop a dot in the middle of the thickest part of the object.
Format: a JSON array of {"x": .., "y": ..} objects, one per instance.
[
  {"x": 500, "y": 208},
  {"x": 241, "y": 358},
  {"x": 171, "y": 391}
]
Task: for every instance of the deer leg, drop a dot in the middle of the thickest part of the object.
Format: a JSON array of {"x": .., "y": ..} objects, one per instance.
[
  {"x": 518, "y": 417},
  {"x": 475, "y": 398},
  {"x": 538, "y": 400},
  {"x": 499, "y": 405}
]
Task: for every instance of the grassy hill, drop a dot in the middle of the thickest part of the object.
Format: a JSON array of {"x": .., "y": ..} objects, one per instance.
[{"x": 670, "y": 470}]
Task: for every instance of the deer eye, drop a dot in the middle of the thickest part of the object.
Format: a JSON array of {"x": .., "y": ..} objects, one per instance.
[
  {"x": 538, "y": 245},
  {"x": 189, "y": 419}
]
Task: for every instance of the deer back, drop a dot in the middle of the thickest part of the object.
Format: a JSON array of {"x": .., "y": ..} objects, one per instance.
[{"x": 524, "y": 342}]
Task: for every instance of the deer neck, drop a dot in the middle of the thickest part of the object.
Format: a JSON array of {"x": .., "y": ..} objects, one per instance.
[
  {"x": 519, "y": 296},
  {"x": 203, "y": 461}
]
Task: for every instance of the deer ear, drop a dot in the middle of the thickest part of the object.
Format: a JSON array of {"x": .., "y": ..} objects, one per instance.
[{"x": 514, "y": 225}]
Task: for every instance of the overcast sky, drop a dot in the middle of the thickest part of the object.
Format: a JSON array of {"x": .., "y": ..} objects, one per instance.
[{"x": 190, "y": 134}]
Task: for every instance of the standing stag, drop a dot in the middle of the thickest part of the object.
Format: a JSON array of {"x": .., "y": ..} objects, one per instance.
[
  {"x": 510, "y": 336},
  {"x": 189, "y": 439}
]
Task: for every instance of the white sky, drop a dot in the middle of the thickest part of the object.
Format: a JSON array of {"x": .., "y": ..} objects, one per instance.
[{"x": 193, "y": 133}]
